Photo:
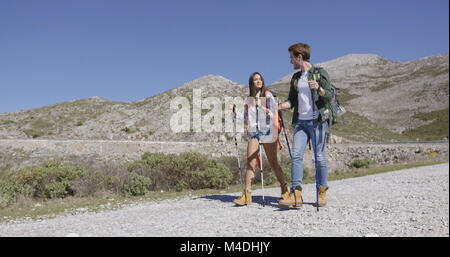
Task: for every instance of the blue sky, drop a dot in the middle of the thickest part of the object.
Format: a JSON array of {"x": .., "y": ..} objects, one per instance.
[{"x": 61, "y": 50}]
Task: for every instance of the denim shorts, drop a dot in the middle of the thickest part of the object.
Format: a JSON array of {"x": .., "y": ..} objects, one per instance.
[
  {"x": 253, "y": 135},
  {"x": 256, "y": 135}
]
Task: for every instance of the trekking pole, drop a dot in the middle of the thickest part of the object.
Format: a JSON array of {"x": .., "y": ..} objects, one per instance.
[
  {"x": 285, "y": 135},
  {"x": 315, "y": 149},
  {"x": 260, "y": 154},
  {"x": 237, "y": 150}
]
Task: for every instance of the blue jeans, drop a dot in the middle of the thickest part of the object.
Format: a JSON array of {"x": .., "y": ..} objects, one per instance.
[{"x": 302, "y": 134}]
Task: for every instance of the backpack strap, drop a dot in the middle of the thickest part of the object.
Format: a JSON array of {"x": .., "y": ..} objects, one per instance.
[
  {"x": 317, "y": 73},
  {"x": 277, "y": 117}
]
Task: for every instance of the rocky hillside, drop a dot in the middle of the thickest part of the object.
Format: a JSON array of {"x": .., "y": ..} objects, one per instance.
[
  {"x": 386, "y": 100},
  {"x": 393, "y": 97},
  {"x": 98, "y": 118}
]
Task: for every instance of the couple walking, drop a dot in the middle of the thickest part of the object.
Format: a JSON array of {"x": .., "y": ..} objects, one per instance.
[{"x": 307, "y": 96}]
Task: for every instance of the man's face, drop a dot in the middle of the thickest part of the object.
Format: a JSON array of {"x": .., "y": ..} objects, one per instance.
[{"x": 295, "y": 61}]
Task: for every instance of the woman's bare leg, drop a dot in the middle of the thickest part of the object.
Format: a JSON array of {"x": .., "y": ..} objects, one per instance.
[
  {"x": 271, "y": 153},
  {"x": 252, "y": 153}
]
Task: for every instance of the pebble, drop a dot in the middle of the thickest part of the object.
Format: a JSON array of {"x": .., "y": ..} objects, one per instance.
[
  {"x": 72, "y": 235},
  {"x": 370, "y": 206}
]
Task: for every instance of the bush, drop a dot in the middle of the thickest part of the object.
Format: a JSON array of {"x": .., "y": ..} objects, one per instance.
[
  {"x": 33, "y": 133},
  {"x": 11, "y": 189},
  {"x": 91, "y": 183},
  {"x": 4, "y": 201},
  {"x": 231, "y": 162},
  {"x": 216, "y": 175},
  {"x": 177, "y": 172},
  {"x": 181, "y": 185},
  {"x": 269, "y": 176},
  {"x": 285, "y": 164},
  {"x": 136, "y": 184},
  {"x": 154, "y": 171},
  {"x": 53, "y": 180},
  {"x": 270, "y": 179},
  {"x": 360, "y": 164}
]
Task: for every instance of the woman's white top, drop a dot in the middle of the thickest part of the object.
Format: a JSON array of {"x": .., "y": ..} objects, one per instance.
[{"x": 259, "y": 122}]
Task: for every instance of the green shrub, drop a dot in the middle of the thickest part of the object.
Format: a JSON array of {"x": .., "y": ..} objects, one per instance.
[
  {"x": 214, "y": 175},
  {"x": 4, "y": 201},
  {"x": 307, "y": 173},
  {"x": 136, "y": 184},
  {"x": 53, "y": 180},
  {"x": 127, "y": 130},
  {"x": 154, "y": 171},
  {"x": 181, "y": 185},
  {"x": 177, "y": 172},
  {"x": 359, "y": 164},
  {"x": 285, "y": 164},
  {"x": 231, "y": 162},
  {"x": 57, "y": 189},
  {"x": 11, "y": 189},
  {"x": 33, "y": 133},
  {"x": 269, "y": 179},
  {"x": 91, "y": 183}
]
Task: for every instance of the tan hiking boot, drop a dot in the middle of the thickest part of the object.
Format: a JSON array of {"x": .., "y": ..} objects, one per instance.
[
  {"x": 284, "y": 192},
  {"x": 322, "y": 196},
  {"x": 294, "y": 199},
  {"x": 245, "y": 198}
]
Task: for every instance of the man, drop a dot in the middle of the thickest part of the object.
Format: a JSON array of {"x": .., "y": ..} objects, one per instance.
[{"x": 309, "y": 92}]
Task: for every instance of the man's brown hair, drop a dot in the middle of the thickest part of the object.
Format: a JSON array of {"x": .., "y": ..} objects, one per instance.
[{"x": 302, "y": 49}]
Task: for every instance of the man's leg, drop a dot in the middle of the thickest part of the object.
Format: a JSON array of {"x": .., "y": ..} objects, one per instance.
[
  {"x": 322, "y": 162},
  {"x": 322, "y": 154},
  {"x": 299, "y": 142}
]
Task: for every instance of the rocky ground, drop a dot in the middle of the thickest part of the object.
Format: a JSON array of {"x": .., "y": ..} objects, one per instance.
[{"x": 406, "y": 203}]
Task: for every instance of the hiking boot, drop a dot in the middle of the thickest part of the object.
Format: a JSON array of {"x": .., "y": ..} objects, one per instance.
[
  {"x": 294, "y": 199},
  {"x": 284, "y": 192},
  {"x": 322, "y": 196},
  {"x": 246, "y": 198}
]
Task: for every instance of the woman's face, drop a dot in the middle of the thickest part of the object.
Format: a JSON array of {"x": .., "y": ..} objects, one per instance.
[{"x": 257, "y": 81}]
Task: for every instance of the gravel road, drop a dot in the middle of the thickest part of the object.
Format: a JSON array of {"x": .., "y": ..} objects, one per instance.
[{"x": 411, "y": 202}]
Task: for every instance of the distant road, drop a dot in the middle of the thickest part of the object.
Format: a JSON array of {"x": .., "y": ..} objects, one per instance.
[{"x": 191, "y": 142}]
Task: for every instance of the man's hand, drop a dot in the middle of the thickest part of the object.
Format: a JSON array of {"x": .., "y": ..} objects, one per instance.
[
  {"x": 284, "y": 105},
  {"x": 313, "y": 85}
]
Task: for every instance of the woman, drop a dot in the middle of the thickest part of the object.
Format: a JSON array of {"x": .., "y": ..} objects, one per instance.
[{"x": 255, "y": 134}]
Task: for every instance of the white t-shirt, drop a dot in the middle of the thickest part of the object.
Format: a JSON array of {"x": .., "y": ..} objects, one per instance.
[
  {"x": 268, "y": 130},
  {"x": 305, "y": 110}
]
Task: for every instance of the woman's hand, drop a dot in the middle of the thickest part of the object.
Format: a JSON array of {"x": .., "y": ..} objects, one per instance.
[
  {"x": 258, "y": 102},
  {"x": 232, "y": 106}
]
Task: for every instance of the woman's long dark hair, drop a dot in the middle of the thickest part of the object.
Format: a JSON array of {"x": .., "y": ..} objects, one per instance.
[{"x": 253, "y": 90}]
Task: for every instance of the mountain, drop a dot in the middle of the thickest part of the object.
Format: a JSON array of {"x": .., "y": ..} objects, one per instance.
[
  {"x": 98, "y": 118},
  {"x": 396, "y": 98},
  {"x": 384, "y": 100}
]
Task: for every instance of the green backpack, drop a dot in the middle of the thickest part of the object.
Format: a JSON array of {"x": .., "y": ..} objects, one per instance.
[{"x": 336, "y": 110}]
